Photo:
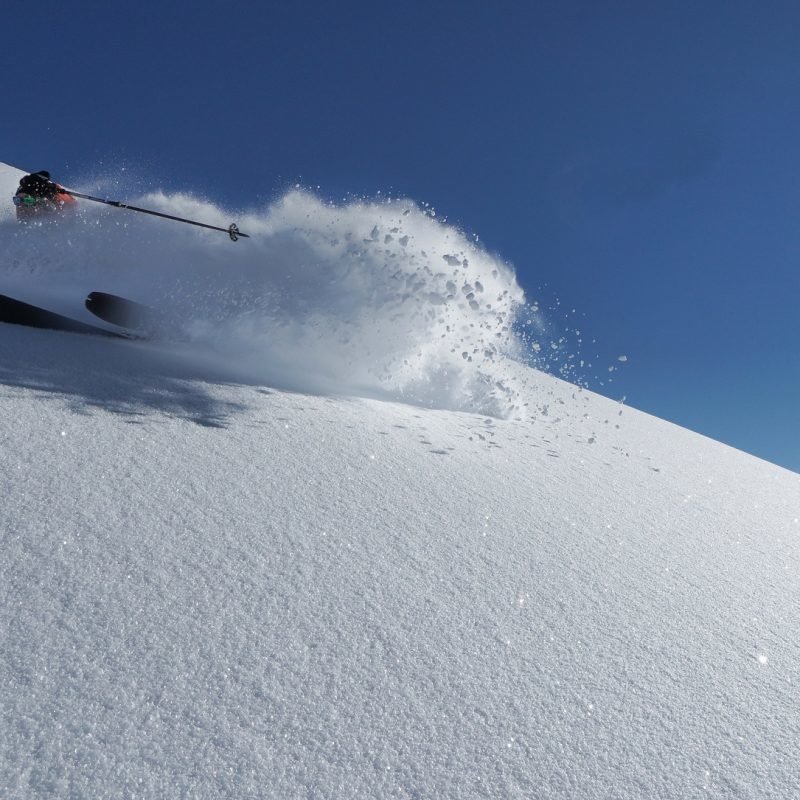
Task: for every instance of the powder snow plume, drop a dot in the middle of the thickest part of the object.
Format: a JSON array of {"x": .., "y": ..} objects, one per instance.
[{"x": 370, "y": 298}]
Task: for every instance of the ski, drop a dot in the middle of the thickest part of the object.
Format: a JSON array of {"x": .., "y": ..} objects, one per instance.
[
  {"x": 17, "y": 312},
  {"x": 123, "y": 312}
]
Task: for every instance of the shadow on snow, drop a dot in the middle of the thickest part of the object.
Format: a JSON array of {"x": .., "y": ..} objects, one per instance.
[{"x": 133, "y": 379}]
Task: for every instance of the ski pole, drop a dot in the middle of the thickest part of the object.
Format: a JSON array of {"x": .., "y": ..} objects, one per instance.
[{"x": 232, "y": 230}]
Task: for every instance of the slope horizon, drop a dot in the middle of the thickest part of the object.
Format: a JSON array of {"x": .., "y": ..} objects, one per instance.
[{"x": 308, "y": 291}]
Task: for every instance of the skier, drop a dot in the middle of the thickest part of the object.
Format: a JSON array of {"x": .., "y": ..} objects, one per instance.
[{"x": 38, "y": 196}]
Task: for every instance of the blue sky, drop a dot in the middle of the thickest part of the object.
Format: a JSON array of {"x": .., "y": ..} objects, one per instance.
[{"x": 637, "y": 162}]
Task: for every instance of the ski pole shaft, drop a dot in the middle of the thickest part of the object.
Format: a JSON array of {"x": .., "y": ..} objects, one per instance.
[{"x": 232, "y": 230}]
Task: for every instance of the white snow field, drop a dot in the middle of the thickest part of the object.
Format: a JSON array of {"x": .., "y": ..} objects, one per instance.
[{"x": 243, "y": 567}]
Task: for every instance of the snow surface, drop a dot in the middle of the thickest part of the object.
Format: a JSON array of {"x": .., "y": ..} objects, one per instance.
[{"x": 217, "y": 582}]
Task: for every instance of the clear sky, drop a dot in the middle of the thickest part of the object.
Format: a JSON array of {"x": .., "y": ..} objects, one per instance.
[{"x": 636, "y": 162}]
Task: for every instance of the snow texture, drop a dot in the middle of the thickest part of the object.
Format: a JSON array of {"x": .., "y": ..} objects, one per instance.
[{"x": 215, "y": 584}]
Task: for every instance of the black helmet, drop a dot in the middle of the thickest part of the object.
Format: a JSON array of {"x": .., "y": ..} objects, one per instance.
[{"x": 43, "y": 173}]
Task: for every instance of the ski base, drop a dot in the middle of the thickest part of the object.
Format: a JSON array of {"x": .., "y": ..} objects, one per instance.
[
  {"x": 18, "y": 312},
  {"x": 123, "y": 312}
]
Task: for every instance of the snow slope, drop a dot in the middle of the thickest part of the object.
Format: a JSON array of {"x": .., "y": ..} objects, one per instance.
[{"x": 212, "y": 587}]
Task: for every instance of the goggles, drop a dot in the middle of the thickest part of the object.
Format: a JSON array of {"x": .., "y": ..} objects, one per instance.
[{"x": 24, "y": 200}]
